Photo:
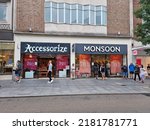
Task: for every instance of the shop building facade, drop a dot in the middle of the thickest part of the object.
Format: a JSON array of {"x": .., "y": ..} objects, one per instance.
[
  {"x": 139, "y": 54},
  {"x": 36, "y": 56},
  {"x": 6, "y": 37},
  {"x": 69, "y": 53},
  {"x": 90, "y": 31}
]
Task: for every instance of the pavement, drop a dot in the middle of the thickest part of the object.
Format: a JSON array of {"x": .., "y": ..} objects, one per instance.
[{"x": 67, "y": 86}]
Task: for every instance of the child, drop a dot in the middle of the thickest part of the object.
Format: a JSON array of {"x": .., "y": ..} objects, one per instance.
[{"x": 142, "y": 74}]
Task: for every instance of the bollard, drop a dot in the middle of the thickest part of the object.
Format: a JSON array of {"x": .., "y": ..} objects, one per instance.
[{"x": 73, "y": 74}]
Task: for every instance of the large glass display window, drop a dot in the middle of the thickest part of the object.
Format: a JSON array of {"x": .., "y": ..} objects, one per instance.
[
  {"x": 6, "y": 58},
  {"x": 85, "y": 64},
  {"x": 37, "y": 65}
]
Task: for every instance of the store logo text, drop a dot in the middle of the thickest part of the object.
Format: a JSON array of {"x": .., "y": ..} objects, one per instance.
[
  {"x": 102, "y": 48},
  {"x": 33, "y": 49}
]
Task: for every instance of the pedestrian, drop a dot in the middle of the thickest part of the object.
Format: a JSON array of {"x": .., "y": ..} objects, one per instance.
[
  {"x": 18, "y": 71},
  {"x": 148, "y": 69},
  {"x": 108, "y": 68},
  {"x": 49, "y": 71},
  {"x": 124, "y": 71},
  {"x": 131, "y": 70},
  {"x": 137, "y": 72},
  {"x": 142, "y": 73},
  {"x": 96, "y": 69},
  {"x": 102, "y": 70}
]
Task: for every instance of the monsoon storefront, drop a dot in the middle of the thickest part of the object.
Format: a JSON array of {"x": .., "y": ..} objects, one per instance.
[{"x": 112, "y": 56}]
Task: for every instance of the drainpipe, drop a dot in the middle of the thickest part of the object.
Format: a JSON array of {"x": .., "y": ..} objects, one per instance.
[{"x": 12, "y": 19}]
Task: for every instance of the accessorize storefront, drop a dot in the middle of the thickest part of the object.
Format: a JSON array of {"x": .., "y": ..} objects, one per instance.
[
  {"x": 35, "y": 57},
  {"x": 112, "y": 55}
]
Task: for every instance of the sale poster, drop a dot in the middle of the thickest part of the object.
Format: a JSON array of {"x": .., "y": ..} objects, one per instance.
[
  {"x": 84, "y": 64},
  {"x": 30, "y": 63},
  {"x": 62, "y": 62},
  {"x": 115, "y": 62}
]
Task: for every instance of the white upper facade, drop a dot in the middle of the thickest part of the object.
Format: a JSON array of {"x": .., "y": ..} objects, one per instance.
[{"x": 76, "y": 16}]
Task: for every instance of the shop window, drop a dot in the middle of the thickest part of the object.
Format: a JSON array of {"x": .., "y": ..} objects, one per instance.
[
  {"x": 6, "y": 58},
  {"x": 30, "y": 62},
  {"x": 3, "y": 8},
  {"x": 75, "y": 13},
  {"x": 30, "y": 66},
  {"x": 115, "y": 64},
  {"x": 84, "y": 65},
  {"x": 62, "y": 65}
]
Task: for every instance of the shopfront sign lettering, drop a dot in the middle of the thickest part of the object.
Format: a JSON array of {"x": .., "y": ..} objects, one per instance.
[
  {"x": 102, "y": 48},
  {"x": 34, "y": 49}
]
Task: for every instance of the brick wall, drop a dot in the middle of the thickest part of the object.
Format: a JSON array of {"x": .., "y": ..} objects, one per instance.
[
  {"x": 30, "y": 14},
  {"x": 118, "y": 17},
  {"x": 136, "y": 5}
]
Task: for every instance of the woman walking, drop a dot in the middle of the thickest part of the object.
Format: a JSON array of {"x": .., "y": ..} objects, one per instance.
[
  {"x": 49, "y": 71},
  {"x": 102, "y": 70}
]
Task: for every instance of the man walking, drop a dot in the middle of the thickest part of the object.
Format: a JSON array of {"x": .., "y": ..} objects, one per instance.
[
  {"x": 18, "y": 71},
  {"x": 131, "y": 69},
  {"x": 125, "y": 72},
  {"x": 50, "y": 71},
  {"x": 137, "y": 72}
]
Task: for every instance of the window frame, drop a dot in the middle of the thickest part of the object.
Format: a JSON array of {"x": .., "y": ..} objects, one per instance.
[
  {"x": 76, "y": 11},
  {"x": 3, "y": 5}
]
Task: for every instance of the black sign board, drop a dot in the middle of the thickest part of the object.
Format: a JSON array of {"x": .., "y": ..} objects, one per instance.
[
  {"x": 45, "y": 48},
  {"x": 100, "y": 49}
]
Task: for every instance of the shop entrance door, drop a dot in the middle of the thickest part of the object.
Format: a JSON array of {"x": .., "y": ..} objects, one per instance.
[{"x": 43, "y": 66}]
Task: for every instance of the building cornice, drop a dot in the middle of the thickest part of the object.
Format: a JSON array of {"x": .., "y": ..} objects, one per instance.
[
  {"x": 67, "y": 34},
  {"x": 6, "y": 41}
]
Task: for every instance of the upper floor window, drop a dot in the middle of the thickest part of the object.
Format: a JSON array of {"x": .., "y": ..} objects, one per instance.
[
  {"x": 75, "y": 13},
  {"x": 3, "y": 8}
]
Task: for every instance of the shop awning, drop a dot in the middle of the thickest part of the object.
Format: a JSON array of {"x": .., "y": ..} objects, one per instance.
[{"x": 141, "y": 47}]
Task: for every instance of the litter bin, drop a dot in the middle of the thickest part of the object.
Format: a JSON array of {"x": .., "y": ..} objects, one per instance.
[
  {"x": 13, "y": 74},
  {"x": 73, "y": 74}
]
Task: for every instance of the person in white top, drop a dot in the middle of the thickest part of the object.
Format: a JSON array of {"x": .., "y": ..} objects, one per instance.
[
  {"x": 142, "y": 74},
  {"x": 50, "y": 71}
]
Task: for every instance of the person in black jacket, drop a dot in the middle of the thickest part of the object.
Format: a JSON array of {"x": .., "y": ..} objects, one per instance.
[
  {"x": 137, "y": 72},
  {"x": 148, "y": 69},
  {"x": 125, "y": 71},
  {"x": 18, "y": 71},
  {"x": 103, "y": 71},
  {"x": 96, "y": 69}
]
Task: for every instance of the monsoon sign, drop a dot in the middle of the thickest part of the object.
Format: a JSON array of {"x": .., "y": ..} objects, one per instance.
[{"x": 100, "y": 49}]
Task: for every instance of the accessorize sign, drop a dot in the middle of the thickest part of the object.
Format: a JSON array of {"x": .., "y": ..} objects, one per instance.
[
  {"x": 100, "y": 49},
  {"x": 36, "y": 47}
]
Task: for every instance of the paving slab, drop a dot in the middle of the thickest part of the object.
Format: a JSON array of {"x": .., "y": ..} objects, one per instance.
[{"x": 67, "y": 86}]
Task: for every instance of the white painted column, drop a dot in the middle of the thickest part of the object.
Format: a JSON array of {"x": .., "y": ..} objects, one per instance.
[
  {"x": 17, "y": 50},
  {"x": 72, "y": 61}
]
